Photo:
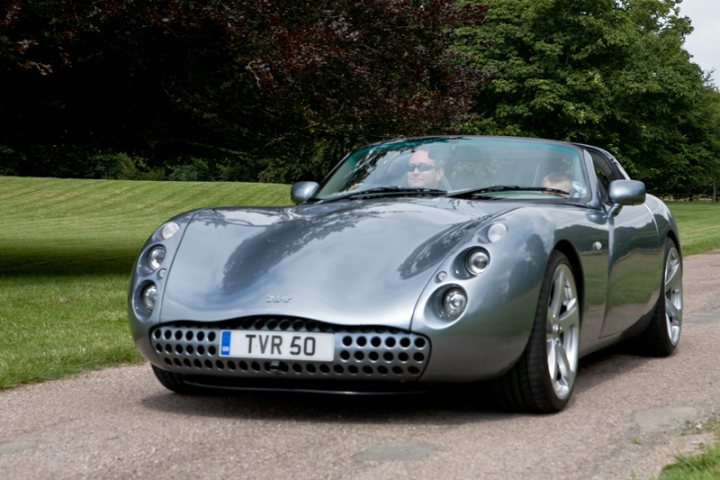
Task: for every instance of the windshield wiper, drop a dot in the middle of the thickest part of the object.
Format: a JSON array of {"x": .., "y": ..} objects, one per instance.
[
  {"x": 478, "y": 192},
  {"x": 381, "y": 191}
]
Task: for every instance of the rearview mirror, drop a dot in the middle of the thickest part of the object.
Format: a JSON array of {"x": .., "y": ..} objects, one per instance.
[{"x": 303, "y": 191}]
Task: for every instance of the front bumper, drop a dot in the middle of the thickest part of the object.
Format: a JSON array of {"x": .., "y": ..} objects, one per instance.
[{"x": 369, "y": 353}]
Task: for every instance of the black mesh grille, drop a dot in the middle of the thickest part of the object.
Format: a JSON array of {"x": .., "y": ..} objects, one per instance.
[{"x": 368, "y": 353}]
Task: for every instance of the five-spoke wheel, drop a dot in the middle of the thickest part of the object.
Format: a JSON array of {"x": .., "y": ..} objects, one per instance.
[
  {"x": 544, "y": 377},
  {"x": 563, "y": 331},
  {"x": 673, "y": 295},
  {"x": 663, "y": 333}
]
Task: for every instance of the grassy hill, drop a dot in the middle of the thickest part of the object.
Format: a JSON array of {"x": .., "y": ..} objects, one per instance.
[
  {"x": 51, "y": 225},
  {"x": 66, "y": 252},
  {"x": 699, "y": 224},
  {"x": 61, "y": 226}
]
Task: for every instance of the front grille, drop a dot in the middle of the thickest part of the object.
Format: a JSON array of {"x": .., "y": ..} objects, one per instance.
[{"x": 363, "y": 353}]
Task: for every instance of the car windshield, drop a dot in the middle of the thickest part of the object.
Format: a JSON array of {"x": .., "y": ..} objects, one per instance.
[{"x": 481, "y": 167}]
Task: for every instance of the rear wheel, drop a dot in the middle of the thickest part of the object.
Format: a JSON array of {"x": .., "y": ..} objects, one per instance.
[
  {"x": 663, "y": 334},
  {"x": 544, "y": 377}
]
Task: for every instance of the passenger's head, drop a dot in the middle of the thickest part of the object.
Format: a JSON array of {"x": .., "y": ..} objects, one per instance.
[
  {"x": 424, "y": 171},
  {"x": 558, "y": 181}
]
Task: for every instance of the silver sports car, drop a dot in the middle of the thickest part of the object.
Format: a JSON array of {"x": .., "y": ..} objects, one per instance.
[{"x": 416, "y": 263}]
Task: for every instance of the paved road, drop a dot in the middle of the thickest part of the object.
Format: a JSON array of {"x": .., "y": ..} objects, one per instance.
[{"x": 629, "y": 416}]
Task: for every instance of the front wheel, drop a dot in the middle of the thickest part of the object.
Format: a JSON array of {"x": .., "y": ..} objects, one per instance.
[
  {"x": 174, "y": 382},
  {"x": 663, "y": 333},
  {"x": 544, "y": 377}
]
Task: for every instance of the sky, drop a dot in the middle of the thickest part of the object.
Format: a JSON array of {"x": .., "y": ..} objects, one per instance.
[{"x": 704, "y": 42}]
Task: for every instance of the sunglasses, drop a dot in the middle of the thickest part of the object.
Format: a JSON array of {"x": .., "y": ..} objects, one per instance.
[{"x": 422, "y": 167}]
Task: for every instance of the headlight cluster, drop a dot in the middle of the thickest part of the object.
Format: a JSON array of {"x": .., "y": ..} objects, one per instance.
[
  {"x": 453, "y": 299},
  {"x": 153, "y": 261},
  {"x": 152, "y": 269}
]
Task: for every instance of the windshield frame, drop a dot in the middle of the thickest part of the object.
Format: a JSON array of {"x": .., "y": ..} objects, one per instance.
[{"x": 337, "y": 183}]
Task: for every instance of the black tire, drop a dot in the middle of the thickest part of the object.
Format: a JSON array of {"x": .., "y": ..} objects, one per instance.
[
  {"x": 174, "y": 382},
  {"x": 663, "y": 333},
  {"x": 538, "y": 382}
]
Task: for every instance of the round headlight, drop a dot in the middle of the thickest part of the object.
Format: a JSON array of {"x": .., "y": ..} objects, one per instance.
[
  {"x": 155, "y": 257},
  {"x": 169, "y": 230},
  {"x": 477, "y": 261},
  {"x": 496, "y": 232},
  {"x": 149, "y": 296},
  {"x": 454, "y": 302}
]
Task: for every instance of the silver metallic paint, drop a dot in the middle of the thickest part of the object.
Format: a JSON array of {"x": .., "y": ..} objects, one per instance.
[
  {"x": 377, "y": 262},
  {"x": 301, "y": 192}
]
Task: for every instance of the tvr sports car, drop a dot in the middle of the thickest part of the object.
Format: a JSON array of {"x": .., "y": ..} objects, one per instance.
[{"x": 416, "y": 263}]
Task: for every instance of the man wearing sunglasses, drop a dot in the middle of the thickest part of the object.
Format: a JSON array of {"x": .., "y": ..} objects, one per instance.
[{"x": 423, "y": 171}]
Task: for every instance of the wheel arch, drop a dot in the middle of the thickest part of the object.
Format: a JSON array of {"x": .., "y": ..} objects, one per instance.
[
  {"x": 674, "y": 237},
  {"x": 665, "y": 221},
  {"x": 567, "y": 249}
]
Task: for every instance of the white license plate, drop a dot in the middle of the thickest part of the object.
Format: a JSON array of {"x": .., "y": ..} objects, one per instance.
[{"x": 277, "y": 345}]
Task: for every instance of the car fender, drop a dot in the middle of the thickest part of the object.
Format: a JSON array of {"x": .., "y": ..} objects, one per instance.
[
  {"x": 140, "y": 321},
  {"x": 492, "y": 332}
]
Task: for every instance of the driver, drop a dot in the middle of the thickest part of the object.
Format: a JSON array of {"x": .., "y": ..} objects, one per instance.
[{"x": 423, "y": 171}]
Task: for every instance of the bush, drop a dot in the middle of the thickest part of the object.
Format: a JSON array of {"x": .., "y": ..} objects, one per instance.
[
  {"x": 195, "y": 171},
  {"x": 135, "y": 168},
  {"x": 9, "y": 161}
]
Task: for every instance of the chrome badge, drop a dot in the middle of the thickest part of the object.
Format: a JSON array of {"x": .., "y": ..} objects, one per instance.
[{"x": 278, "y": 298}]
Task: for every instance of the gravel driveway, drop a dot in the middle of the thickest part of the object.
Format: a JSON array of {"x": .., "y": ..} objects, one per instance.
[{"x": 629, "y": 416}]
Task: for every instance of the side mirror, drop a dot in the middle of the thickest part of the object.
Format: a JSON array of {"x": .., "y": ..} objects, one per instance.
[
  {"x": 303, "y": 191},
  {"x": 625, "y": 192}
]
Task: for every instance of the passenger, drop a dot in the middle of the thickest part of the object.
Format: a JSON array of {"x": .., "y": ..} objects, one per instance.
[{"x": 558, "y": 181}]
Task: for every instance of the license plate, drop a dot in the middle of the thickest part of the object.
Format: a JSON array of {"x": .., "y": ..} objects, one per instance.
[{"x": 277, "y": 345}]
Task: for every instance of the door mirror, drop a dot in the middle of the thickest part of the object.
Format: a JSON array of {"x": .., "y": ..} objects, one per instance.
[
  {"x": 303, "y": 191},
  {"x": 627, "y": 192}
]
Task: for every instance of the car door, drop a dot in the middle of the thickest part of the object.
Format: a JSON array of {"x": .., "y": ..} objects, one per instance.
[{"x": 633, "y": 263}]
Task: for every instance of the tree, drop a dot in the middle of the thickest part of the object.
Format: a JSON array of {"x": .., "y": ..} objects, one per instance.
[
  {"x": 602, "y": 72},
  {"x": 549, "y": 60},
  {"x": 260, "y": 80}
]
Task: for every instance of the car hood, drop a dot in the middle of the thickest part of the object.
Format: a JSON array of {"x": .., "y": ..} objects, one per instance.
[{"x": 355, "y": 262}]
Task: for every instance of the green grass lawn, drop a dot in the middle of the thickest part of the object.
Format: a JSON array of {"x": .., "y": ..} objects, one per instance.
[
  {"x": 699, "y": 224},
  {"x": 65, "y": 226},
  {"x": 55, "y": 325},
  {"x": 66, "y": 251},
  {"x": 703, "y": 466}
]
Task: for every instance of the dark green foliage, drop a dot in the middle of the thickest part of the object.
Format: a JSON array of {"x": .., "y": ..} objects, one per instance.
[
  {"x": 233, "y": 82},
  {"x": 279, "y": 90},
  {"x": 602, "y": 72}
]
